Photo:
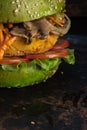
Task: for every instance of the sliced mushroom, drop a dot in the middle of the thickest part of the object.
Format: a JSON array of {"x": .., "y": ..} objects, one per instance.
[
  {"x": 20, "y": 32},
  {"x": 40, "y": 28}
]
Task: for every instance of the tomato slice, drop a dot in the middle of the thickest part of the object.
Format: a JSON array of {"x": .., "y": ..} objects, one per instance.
[
  {"x": 61, "y": 44},
  {"x": 48, "y": 54},
  {"x": 57, "y": 51},
  {"x": 12, "y": 61}
]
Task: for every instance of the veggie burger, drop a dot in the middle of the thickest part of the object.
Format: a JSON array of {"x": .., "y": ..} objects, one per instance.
[{"x": 31, "y": 43}]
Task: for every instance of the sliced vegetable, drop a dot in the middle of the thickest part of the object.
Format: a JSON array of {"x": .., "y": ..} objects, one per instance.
[
  {"x": 70, "y": 59},
  {"x": 1, "y": 34},
  {"x": 48, "y": 54},
  {"x": 7, "y": 42},
  {"x": 62, "y": 43},
  {"x": 12, "y": 61},
  {"x": 56, "y": 52}
]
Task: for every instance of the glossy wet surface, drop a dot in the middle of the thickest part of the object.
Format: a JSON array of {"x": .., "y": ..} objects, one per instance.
[{"x": 58, "y": 104}]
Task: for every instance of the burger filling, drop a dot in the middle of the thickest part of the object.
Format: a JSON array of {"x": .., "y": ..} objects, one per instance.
[
  {"x": 32, "y": 37},
  {"x": 22, "y": 42}
]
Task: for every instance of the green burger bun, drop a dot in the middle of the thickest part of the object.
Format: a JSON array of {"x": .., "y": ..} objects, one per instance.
[
  {"x": 26, "y": 74},
  {"x": 16, "y": 11},
  {"x": 33, "y": 71}
]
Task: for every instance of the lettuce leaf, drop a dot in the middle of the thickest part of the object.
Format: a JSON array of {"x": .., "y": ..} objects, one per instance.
[
  {"x": 70, "y": 59},
  {"x": 40, "y": 64}
]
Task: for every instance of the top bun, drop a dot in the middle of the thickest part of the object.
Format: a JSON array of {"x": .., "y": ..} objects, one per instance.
[{"x": 16, "y": 11}]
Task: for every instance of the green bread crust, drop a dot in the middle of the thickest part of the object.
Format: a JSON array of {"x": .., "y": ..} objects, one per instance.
[
  {"x": 16, "y": 11},
  {"x": 27, "y": 74},
  {"x": 33, "y": 72}
]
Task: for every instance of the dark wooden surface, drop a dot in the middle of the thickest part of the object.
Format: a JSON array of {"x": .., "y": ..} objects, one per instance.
[
  {"x": 58, "y": 104},
  {"x": 61, "y": 102}
]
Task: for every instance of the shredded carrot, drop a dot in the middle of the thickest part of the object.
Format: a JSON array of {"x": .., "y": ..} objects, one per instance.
[
  {"x": 1, "y": 34},
  {"x": 10, "y": 25},
  {"x": 7, "y": 42},
  {"x": 55, "y": 19}
]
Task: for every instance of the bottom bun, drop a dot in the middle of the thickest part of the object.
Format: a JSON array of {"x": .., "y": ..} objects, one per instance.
[{"x": 27, "y": 74}]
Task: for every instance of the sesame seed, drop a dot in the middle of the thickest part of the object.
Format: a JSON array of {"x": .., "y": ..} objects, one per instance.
[
  {"x": 61, "y": 8},
  {"x": 31, "y": 16},
  {"x": 21, "y": 2},
  {"x": 13, "y": 2},
  {"x": 16, "y": 11},
  {"x": 35, "y": 12},
  {"x": 36, "y": 5},
  {"x": 38, "y": 14},
  {"x": 48, "y": 0},
  {"x": 18, "y": 5},
  {"x": 17, "y": 1},
  {"x": 33, "y": 8},
  {"x": 51, "y": 5},
  {"x": 55, "y": 7},
  {"x": 28, "y": 11},
  {"x": 26, "y": 6},
  {"x": 51, "y": 2},
  {"x": 60, "y": 1},
  {"x": 50, "y": 9}
]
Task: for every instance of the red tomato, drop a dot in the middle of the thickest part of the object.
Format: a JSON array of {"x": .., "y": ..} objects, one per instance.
[
  {"x": 61, "y": 44},
  {"x": 56, "y": 52},
  {"x": 48, "y": 54},
  {"x": 12, "y": 61}
]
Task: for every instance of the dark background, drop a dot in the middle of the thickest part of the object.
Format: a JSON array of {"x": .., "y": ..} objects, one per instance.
[
  {"x": 61, "y": 102},
  {"x": 77, "y": 11},
  {"x": 76, "y": 8}
]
